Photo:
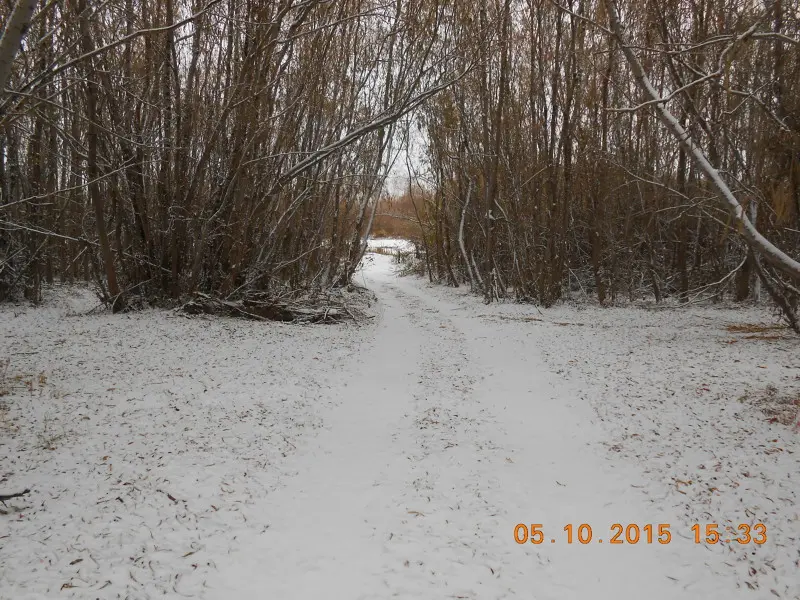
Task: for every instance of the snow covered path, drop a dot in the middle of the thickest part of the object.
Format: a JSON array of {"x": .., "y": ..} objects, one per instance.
[{"x": 450, "y": 431}]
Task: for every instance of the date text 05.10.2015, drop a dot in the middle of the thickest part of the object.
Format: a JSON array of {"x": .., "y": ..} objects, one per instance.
[{"x": 709, "y": 533}]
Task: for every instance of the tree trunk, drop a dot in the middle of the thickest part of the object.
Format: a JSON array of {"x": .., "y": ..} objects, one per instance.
[{"x": 92, "y": 170}]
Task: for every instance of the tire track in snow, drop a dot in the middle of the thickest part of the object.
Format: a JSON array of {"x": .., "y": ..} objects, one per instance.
[
  {"x": 541, "y": 460},
  {"x": 330, "y": 522},
  {"x": 445, "y": 546}
]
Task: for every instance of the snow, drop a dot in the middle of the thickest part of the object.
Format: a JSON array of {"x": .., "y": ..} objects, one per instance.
[
  {"x": 393, "y": 459},
  {"x": 139, "y": 409},
  {"x": 393, "y": 245}
]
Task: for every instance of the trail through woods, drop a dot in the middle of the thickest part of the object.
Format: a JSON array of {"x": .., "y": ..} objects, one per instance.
[
  {"x": 449, "y": 433},
  {"x": 217, "y": 458}
]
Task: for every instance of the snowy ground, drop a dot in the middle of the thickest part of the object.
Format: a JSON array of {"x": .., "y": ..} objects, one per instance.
[
  {"x": 147, "y": 439},
  {"x": 389, "y": 245},
  {"x": 215, "y": 458},
  {"x": 703, "y": 403}
]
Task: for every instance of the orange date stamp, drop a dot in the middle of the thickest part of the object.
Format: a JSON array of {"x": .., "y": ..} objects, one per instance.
[{"x": 632, "y": 533}]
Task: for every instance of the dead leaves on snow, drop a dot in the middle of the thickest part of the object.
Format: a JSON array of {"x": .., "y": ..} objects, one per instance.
[
  {"x": 779, "y": 407},
  {"x": 754, "y": 328},
  {"x": 757, "y": 331}
]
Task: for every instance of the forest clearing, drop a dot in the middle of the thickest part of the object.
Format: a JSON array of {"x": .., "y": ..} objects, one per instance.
[{"x": 423, "y": 299}]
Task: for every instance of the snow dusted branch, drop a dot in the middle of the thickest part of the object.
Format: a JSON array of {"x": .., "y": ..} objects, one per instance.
[
  {"x": 4, "y": 497},
  {"x": 389, "y": 117},
  {"x": 771, "y": 253}
]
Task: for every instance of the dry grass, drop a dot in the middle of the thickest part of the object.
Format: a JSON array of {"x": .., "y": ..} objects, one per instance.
[
  {"x": 777, "y": 407},
  {"x": 758, "y": 331},
  {"x": 6, "y": 422},
  {"x": 13, "y": 386},
  {"x": 51, "y": 435},
  {"x": 755, "y": 328}
]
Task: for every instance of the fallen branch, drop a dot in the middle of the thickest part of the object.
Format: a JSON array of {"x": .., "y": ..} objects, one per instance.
[
  {"x": 262, "y": 307},
  {"x": 4, "y": 497}
]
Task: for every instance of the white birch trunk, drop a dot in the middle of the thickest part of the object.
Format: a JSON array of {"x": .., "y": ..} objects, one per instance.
[{"x": 461, "y": 235}]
